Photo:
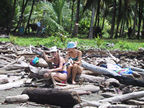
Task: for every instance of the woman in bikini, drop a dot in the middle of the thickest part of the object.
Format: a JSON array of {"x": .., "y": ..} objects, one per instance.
[
  {"x": 58, "y": 72},
  {"x": 74, "y": 57}
]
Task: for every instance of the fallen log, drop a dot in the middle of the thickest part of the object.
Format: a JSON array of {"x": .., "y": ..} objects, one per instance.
[
  {"x": 135, "y": 102},
  {"x": 137, "y": 69},
  {"x": 122, "y": 79},
  {"x": 12, "y": 84},
  {"x": 124, "y": 97},
  {"x": 57, "y": 97},
  {"x": 97, "y": 69},
  {"x": 116, "y": 99},
  {"x": 122, "y": 106},
  {"x": 129, "y": 81},
  {"x": 17, "y": 98},
  {"x": 92, "y": 79},
  {"x": 87, "y": 88}
]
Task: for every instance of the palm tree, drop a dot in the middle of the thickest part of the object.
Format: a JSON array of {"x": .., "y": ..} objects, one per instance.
[
  {"x": 75, "y": 30},
  {"x": 24, "y": 4},
  {"x": 140, "y": 11},
  {"x": 119, "y": 17},
  {"x": 72, "y": 13},
  {"x": 92, "y": 22},
  {"x": 113, "y": 19},
  {"x": 33, "y": 2},
  {"x": 58, "y": 6}
]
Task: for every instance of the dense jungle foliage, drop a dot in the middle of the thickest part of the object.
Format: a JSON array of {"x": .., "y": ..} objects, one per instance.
[{"x": 73, "y": 18}]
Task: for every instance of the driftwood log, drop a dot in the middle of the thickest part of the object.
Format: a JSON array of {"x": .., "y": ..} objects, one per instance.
[
  {"x": 97, "y": 69},
  {"x": 115, "y": 99},
  {"x": 12, "y": 84},
  {"x": 92, "y": 79},
  {"x": 121, "y": 79},
  {"x": 65, "y": 99},
  {"x": 17, "y": 98}
]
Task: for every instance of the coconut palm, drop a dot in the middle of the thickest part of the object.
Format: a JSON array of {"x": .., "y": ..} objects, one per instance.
[
  {"x": 33, "y": 2},
  {"x": 24, "y": 4},
  {"x": 58, "y": 6},
  {"x": 75, "y": 30}
]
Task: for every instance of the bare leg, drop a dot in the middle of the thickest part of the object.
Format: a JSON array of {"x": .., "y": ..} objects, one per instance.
[
  {"x": 74, "y": 72},
  {"x": 80, "y": 69},
  {"x": 69, "y": 70},
  {"x": 60, "y": 77}
]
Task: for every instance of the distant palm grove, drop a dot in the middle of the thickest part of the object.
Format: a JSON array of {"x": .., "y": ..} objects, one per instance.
[{"x": 73, "y": 18}]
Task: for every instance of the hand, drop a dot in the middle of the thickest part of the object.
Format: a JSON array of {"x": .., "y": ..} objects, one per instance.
[{"x": 49, "y": 70}]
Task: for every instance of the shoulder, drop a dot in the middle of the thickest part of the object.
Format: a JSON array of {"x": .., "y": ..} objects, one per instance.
[
  {"x": 79, "y": 52},
  {"x": 62, "y": 59}
]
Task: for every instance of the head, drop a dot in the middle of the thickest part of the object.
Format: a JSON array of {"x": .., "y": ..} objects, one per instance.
[
  {"x": 71, "y": 46},
  {"x": 54, "y": 51}
]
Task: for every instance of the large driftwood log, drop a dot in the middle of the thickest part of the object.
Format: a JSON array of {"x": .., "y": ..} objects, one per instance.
[
  {"x": 99, "y": 70},
  {"x": 80, "y": 89},
  {"x": 13, "y": 84},
  {"x": 121, "y": 79},
  {"x": 57, "y": 97}
]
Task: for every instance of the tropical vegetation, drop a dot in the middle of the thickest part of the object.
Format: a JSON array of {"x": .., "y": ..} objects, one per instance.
[{"x": 75, "y": 18}]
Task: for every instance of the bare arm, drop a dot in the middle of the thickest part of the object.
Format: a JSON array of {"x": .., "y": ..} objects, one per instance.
[
  {"x": 60, "y": 68},
  {"x": 67, "y": 57},
  {"x": 45, "y": 57},
  {"x": 79, "y": 58}
]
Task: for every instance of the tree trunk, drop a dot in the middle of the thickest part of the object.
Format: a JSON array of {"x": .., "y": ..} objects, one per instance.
[
  {"x": 30, "y": 15},
  {"x": 97, "y": 15},
  {"x": 21, "y": 16},
  {"x": 105, "y": 14},
  {"x": 75, "y": 31},
  {"x": 92, "y": 23},
  {"x": 135, "y": 19},
  {"x": 113, "y": 19},
  {"x": 140, "y": 18},
  {"x": 72, "y": 14},
  {"x": 119, "y": 19},
  {"x": 13, "y": 13},
  {"x": 66, "y": 99}
]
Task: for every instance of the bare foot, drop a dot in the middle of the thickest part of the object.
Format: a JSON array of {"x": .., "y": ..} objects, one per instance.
[{"x": 73, "y": 82}]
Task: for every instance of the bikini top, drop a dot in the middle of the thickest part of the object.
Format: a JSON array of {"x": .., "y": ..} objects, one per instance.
[
  {"x": 74, "y": 59},
  {"x": 57, "y": 65}
]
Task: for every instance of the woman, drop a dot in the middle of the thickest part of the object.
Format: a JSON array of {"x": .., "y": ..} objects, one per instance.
[
  {"x": 74, "y": 57},
  {"x": 58, "y": 72}
]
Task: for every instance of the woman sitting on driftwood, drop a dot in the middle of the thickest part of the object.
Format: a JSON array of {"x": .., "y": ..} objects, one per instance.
[
  {"x": 58, "y": 72},
  {"x": 73, "y": 59}
]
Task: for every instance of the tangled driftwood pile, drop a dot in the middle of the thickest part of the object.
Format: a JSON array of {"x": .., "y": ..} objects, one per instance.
[{"x": 117, "y": 91}]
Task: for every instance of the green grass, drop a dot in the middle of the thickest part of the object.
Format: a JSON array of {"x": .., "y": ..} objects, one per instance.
[{"x": 121, "y": 44}]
